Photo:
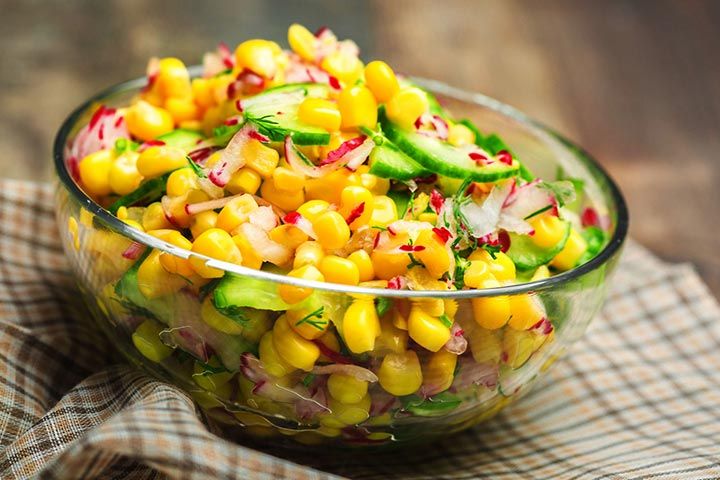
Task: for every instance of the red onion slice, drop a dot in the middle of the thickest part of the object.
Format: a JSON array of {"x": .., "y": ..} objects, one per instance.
[{"x": 356, "y": 371}]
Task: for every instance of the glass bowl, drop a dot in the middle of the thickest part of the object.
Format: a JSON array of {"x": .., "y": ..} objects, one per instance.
[{"x": 171, "y": 336}]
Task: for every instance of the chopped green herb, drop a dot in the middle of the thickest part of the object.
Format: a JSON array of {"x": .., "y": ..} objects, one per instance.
[
  {"x": 308, "y": 379},
  {"x": 493, "y": 250},
  {"x": 382, "y": 305},
  {"x": 196, "y": 168},
  {"x": 538, "y": 212},
  {"x": 445, "y": 320},
  {"x": 123, "y": 145},
  {"x": 309, "y": 319},
  {"x": 562, "y": 190}
]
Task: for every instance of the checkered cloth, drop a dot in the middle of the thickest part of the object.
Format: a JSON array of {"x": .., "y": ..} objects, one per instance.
[{"x": 639, "y": 397}]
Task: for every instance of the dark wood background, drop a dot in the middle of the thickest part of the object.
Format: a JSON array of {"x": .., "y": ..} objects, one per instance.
[{"x": 636, "y": 82}]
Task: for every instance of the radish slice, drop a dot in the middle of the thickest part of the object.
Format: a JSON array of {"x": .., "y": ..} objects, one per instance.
[
  {"x": 264, "y": 218},
  {"x": 231, "y": 159},
  {"x": 457, "y": 343},
  {"x": 472, "y": 373},
  {"x": 305, "y": 225},
  {"x": 351, "y": 158},
  {"x": 195, "y": 208},
  {"x": 356, "y": 371},
  {"x": 345, "y": 147},
  {"x": 482, "y": 219},
  {"x": 106, "y": 126},
  {"x": 528, "y": 199},
  {"x": 268, "y": 249}
]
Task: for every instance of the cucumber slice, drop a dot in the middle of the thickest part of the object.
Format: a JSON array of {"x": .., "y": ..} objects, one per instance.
[
  {"x": 275, "y": 112},
  {"x": 527, "y": 255},
  {"x": 129, "y": 295},
  {"x": 182, "y": 138},
  {"x": 388, "y": 161},
  {"x": 442, "y": 158},
  {"x": 401, "y": 199},
  {"x": 234, "y": 292},
  {"x": 148, "y": 192}
]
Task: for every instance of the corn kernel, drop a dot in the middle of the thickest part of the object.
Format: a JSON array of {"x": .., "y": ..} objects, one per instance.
[
  {"x": 364, "y": 264},
  {"x": 308, "y": 253},
  {"x": 302, "y": 42},
  {"x": 344, "y": 67},
  {"x": 209, "y": 380},
  {"x": 435, "y": 256},
  {"x": 203, "y": 221},
  {"x": 95, "y": 172},
  {"x": 391, "y": 338},
  {"x": 312, "y": 208},
  {"x": 439, "y": 371},
  {"x": 288, "y": 235},
  {"x": 549, "y": 231},
  {"x": 406, "y": 106},
  {"x": 346, "y": 388},
  {"x": 156, "y": 160},
  {"x": 271, "y": 359},
  {"x": 173, "y": 79},
  {"x": 133, "y": 224},
  {"x": 176, "y": 210},
  {"x": 361, "y": 325},
  {"x": 331, "y": 230},
  {"x": 182, "y": 109},
  {"x": 202, "y": 93},
  {"x": 517, "y": 347},
  {"x": 146, "y": 339},
  {"x": 381, "y": 80},
  {"x": 260, "y": 158},
  {"x": 388, "y": 265},
  {"x": 170, "y": 262},
  {"x": 123, "y": 175},
  {"x": 154, "y": 217},
  {"x": 491, "y": 312},
  {"x": 287, "y": 201},
  {"x": 526, "y": 310},
  {"x": 432, "y": 306},
  {"x": 502, "y": 267},
  {"x": 343, "y": 414},
  {"x": 329, "y": 187},
  {"x": 400, "y": 373},
  {"x": 154, "y": 281},
  {"x": 358, "y": 107},
  {"x": 485, "y": 345},
  {"x": 257, "y": 324},
  {"x": 320, "y": 113},
  {"x": 339, "y": 270},
  {"x": 292, "y": 294},
  {"x": 427, "y": 331},
  {"x": 72, "y": 226},
  {"x": 250, "y": 257},
  {"x": 217, "y": 320},
  {"x": 236, "y": 212},
  {"x": 294, "y": 349},
  {"x": 181, "y": 181},
  {"x": 570, "y": 255},
  {"x": 384, "y": 211},
  {"x": 354, "y": 199},
  {"x": 310, "y": 320},
  {"x": 147, "y": 122},
  {"x": 459, "y": 135},
  {"x": 214, "y": 243},
  {"x": 477, "y": 273},
  {"x": 259, "y": 56},
  {"x": 245, "y": 180},
  {"x": 541, "y": 273},
  {"x": 288, "y": 180}
]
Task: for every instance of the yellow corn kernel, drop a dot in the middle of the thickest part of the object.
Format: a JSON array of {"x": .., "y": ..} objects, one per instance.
[
  {"x": 346, "y": 388},
  {"x": 146, "y": 339},
  {"x": 236, "y": 212},
  {"x": 122, "y": 213},
  {"x": 460, "y": 135},
  {"x": 502, "y": 267},
  {"x": 400, "y": 373},
  {"x": 308, "y": 253},
  {"x": 344, "y": 414},
  {"x": 156, "y": 160},
  {"x": 250, "y": 257},
  {"x": 432, "y": 306},
  {"x": 260, "y": 158},
  {"x": 147, "y": 122},
  {"x": 181, "y": 181},
  {"x": 330, "y": 340},
  {"x": 245, "y": 180},
  {"x": 170, "y": 262},
  {"x": 329, "y": 187},
  {"x": 133, "y": 224},
  {"x": 72, "y": 226},
  {"x": 439, "y": 372},
  {"x": 177, "y": 211},
  {"x": 400, "y": 312},
  {"x": 429, "y": 217},
  {"x": 292, "y": 294},
  {"x": 391, "y": 338},
  {"x": 294, "y": 349},
  {"x": 361, "y": 325},
  {"x": 310, "y": 320},
  {"x": 258, "y": 322},
  {"x": 388, "y": 265},
  {"x": 541, "y": 273},
  {"x": 477, "y": 273},
  {"x": 287, "y": 201},
  {"x": 95, "y": 172},
  {"x": 288, "y": 180},
  {"x": 451, "y": 307},
  {"x": 350, "y": 200},
  {"x": 426, "y": 330},
  {"x": 203, "y": 221},
  {"x": 173, "y": 79},
  {"x": 259, "y": 56},
  {"x": 376, "y": 185},
  {"x": 364, "y": 264},
  {"x": 154, "y": 281},
  {"x": 214, "y": 243},
  {"x": 344, "y": 67},
  {"x": 517, "y": 347},
  {"x": 182, "y": 109},
  {"x": 570, "y": 255},
  {"x": 209, "y": 380},
  {"x": 549, "y": 231},
  {"x": 271, "y": 359},
  {"x": 312, "y": 208},
  {"x": 526, "y": 310},
  {"x": 320, "y": 113},
  {"x": 339, "y": 270},
  {"x": 381, "y": 80},
  {"x": 288, "y": 235},
  {"x": 491, "y": 312},
  {"x": 302, "y": 41},
  {"x": 406, "y": 106},
  {"x": 331, "y": 230},
  {"x": 217, "y": 320},
  {"x": 485, "y": 345},
  {"x": 358, "y": 107},
  {"x": 123, "y": 175},
  {"x": 201, "y": 92},
  {"x": 154, "y": 217},
  {"x": 435, "y": 256},
  {"x": 384, "y": 211}
]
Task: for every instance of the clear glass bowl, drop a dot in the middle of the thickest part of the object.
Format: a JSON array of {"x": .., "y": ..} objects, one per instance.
[{"x": 497, "y": 368}]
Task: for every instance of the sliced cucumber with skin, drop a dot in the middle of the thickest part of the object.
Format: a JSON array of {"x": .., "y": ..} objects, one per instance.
[
  {"x": 275, "y": 112},
  {"x": 527, "y": 255},
  {"x": 442, "y": 158},
  {"x": 148, "y": 192},
  {"x": 401, "y": 199},
  {"x": 388, "y": 161},
  {"x": 234, "y": 292},
  {"x": 182, "y": 138}
]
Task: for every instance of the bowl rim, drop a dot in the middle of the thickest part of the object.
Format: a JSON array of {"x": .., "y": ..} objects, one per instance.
[{"x": 115, "y": 224}]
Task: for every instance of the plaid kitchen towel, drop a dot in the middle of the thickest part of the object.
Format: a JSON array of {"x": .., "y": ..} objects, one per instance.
[{"x": 638, "y": 397}]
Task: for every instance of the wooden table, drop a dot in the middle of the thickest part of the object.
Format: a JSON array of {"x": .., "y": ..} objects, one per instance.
[{"x": 636, "y": 82}]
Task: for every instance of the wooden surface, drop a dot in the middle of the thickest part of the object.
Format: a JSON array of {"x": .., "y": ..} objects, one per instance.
[{"x": 635, "y": 82}]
